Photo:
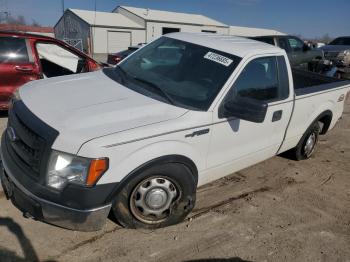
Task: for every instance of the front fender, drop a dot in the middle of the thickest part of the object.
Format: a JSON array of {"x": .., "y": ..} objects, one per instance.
[
  {"x": 124, "y": 159},
  {"x": 152, "y": 151}
]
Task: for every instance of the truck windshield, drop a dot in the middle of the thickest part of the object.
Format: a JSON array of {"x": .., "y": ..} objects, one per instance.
[
  {"x": 177, "y": 72},
  {"x": 341, "y": 41}
]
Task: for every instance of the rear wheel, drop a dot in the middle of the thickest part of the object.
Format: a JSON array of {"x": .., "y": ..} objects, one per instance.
[
  {"x": 157, "y": 197},
  {"x": 307, "y": 144}
]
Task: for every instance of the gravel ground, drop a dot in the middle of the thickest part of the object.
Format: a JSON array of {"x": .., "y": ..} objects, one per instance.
[{"x": 278, "y": 210}]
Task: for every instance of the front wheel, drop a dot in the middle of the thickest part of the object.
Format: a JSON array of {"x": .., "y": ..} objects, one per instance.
[
  {"x": 157, "y": 197},
  {"x": 307, "y": 144}
]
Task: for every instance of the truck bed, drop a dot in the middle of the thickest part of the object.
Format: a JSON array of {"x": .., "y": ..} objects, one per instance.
[{"x": 306, "y": 82}]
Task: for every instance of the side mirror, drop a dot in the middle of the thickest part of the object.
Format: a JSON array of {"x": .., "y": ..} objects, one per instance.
[{"x": 244, "y": 108}]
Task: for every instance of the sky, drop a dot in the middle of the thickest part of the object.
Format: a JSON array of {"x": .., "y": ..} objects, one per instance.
[{"x": 309, "y": 18}]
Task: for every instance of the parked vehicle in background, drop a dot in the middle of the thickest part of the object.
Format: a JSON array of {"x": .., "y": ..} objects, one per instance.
[
  {"x": 28, "y": 57},
  {"x": 318, "y": 45},
  {"x": 298, "y": 52},
  {"x": 337, "y": 57},
  {"x": 181, "y": 112},
  {"x": 115, "y": 58}
]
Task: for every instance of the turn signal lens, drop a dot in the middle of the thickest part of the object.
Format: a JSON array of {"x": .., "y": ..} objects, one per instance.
[{"x": 96, "y": 170}]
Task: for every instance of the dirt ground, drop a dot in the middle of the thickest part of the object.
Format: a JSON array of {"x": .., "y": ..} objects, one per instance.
[{"x": 278, "y": 210}]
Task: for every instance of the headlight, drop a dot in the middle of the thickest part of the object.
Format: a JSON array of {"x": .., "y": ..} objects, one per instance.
[{"x": 65, "y": 168}]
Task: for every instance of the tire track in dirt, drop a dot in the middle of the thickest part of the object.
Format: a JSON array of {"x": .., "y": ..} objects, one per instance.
[
  {"x": 205, "y": 210},
  {"x": 86, "y": 242},
  {"x": 196, "y": 213}
]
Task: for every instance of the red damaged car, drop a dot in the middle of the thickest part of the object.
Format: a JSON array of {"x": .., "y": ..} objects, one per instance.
[{"x": 27, "y": 57}]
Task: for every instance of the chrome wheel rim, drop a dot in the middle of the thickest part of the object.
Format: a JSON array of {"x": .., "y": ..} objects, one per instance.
[
  {"x": 152, "y": 199},
  {"x": 310, "y": 145}
]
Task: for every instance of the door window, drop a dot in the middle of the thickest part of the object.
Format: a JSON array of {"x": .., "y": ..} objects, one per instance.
[
  {"x": 295, "y": 44},
  {"x": 260, "y": 80},
  {"x": 57, "y": 61},
  {"x": 13, "y": 50},
  {"x": 283, "y": 44}
]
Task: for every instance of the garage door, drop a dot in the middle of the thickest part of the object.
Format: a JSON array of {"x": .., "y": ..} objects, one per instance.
[{"x": 118, "y": 41}]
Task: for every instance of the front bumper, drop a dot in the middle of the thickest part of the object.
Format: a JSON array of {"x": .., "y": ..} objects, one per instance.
[{"x": 49, "y": 212}]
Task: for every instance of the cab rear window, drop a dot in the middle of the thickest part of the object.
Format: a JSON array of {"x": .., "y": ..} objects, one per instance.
[{"x": 13, "y": 50}]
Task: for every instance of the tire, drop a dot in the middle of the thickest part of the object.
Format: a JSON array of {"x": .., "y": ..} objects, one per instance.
[
  {"x": 160, "y": 196},
  {"x": 307, "y": 144}
]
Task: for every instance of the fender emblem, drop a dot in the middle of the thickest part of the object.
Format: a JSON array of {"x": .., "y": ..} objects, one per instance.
[{"x": 198, "y": 133}]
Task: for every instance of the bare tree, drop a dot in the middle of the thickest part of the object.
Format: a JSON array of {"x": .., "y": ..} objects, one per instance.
[
  {"x": 19, "y": 20},
  {"x": 35, "y": 23},
  {"x": 325, "y": 39}
]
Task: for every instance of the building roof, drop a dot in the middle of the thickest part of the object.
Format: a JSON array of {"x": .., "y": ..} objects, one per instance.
[
  {"x": 238, "y": 46},
  {"x": 25, "y": 28},
  {"x": 250, "y": 31},
  {"x": 105, "y": 19},
  {"x": 172, "y": 17}
]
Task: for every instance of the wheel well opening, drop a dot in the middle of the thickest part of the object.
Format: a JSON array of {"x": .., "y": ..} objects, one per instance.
[{"x": 326, "y": 120}]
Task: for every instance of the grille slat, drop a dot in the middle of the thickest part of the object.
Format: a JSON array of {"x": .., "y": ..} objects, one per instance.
[
  {"x": 27, "y": 146},
  {"x": 26, "y": 135},
  {"x": 331, "y": 54}
]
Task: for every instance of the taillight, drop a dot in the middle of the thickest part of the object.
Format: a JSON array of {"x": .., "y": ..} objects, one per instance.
[{"x": 93, "y": 66}]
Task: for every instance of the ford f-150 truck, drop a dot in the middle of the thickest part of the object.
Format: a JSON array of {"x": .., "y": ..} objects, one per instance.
[
  {"x": 137, "y": 140},
  {"x": 298, "y": 52}
]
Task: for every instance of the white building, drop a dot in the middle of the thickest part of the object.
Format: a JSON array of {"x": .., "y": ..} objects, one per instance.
[{"x": 100, "y": 33}]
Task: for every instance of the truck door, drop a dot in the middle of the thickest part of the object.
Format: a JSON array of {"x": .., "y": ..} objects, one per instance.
[
  {"x": 298, "y": 54},
  {"x": 56, "y": 60},
  {"x": 237, "y": 143},
  {"x": 16, "y": 66}
]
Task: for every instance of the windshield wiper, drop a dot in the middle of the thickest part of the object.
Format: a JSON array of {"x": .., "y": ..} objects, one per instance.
[
  {"x": 157, "y": 88},
  {"x": 124, "y": 73},
  {"x": 153, "y": 85}
]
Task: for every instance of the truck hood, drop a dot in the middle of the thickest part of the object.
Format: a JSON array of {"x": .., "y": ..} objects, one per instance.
[
  {"x": 335, "y": 48},
  {"x": 91, "y": 105}
]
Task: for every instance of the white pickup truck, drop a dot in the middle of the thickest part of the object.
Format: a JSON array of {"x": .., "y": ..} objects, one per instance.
[{"x": 138, "y": 139}]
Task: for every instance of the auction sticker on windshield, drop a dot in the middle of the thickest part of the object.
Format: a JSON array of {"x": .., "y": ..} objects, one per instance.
[{"x": 218, "y": 58}]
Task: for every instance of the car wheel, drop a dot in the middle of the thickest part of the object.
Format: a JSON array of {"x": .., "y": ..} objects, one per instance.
[
  {"x": 307, "y": 144},
  {"x": 160, "y": 196}
]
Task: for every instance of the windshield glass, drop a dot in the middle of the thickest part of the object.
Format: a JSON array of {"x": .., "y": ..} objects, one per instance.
[
  {"x": 341, "y": 41},
  {"x": 177, "y": 72}
]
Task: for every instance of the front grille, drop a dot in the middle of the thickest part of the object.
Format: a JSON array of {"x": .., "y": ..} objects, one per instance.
[
  {"x": 27, "y": 146},
  {"x": 331, "y": 55}
]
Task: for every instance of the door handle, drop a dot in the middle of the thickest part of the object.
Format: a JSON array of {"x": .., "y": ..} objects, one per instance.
[
  {"x": 277, "y": 116},
  {"x": 24, "y": 69}
]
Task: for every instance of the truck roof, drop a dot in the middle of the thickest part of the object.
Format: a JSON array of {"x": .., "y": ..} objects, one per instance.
[
  {"x": 238, "y": 46},
  {"x": 25, "y": 35}
]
